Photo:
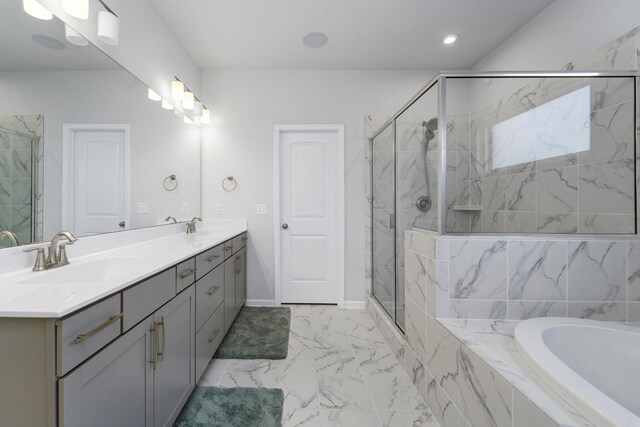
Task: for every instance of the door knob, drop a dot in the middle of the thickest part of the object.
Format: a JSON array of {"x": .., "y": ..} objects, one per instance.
[
  {"x": 121, "y": 224},
  {"x": 285, "y": 226}
]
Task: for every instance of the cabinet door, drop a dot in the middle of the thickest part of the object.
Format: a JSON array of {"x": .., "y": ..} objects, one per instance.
[
  {"x": 229, "y": 292},
  {"x": 174, "y": 376},
  {"x": 114, "y": 388},
  {"x": 241, "y": 278}
]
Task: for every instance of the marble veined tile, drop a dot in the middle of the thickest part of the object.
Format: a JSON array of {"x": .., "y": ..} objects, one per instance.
[
  {"x": 20, "y": 190},
  {"x": 20, "y": 218},
  {"x": 494, "y": 221},
  {"x": 612, "y": 134},
  {"x": 607, "y": 223},
  {"x": 382, "y": 165},
  {"x": 407, "y": 418},
  {"x": 473, "y": 309},
  {"x": 440, "y": 404},
  {"x": 5, "y": 162},
  {"x": 607, "y": 311},
  {"x": 416, "y": 371},
  {"x": 520, "y": 191},
  {"x": 336, "y": 361},
  {"x": 607, "y": 187},
  {"x": 394, "y": 392},
  {"x": 633, "y": 271},
  {"x": 378, "y": 361},
  {"x": 521, "y": 222},
  {"x": 314, "y": 340},
  {"x": 442, "y": 357},
  {"x": 348, "y": 418},
  {"x": 493, "y": 193},
  {"x": 478, "y": 269},
  {"x": 606, "y": 92},
  {"x": 521, "y": 310},
  {"x": 485, "y": 398},
  {"x": 5, "y": 191},
  {"x": 416, "y": 278},
  {"x": 343, "y": 392},
  {"x": 597, "y": 271},
  {"x": 21, "y": 163},
  {"x": 416, "y": 329},
  {"x": 550, "y": 222},
  {"x": 537, "y": 270},
  {"x": 557, "y": 189}
]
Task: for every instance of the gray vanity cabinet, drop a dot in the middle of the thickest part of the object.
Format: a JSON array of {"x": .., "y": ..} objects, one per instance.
[
  {"x": 229, "y": 292},
  {"x": 174, "y": 375},
  {"x": 114, "y": 388},
  {"x": 142, "y": 379},
  {"x": 241, "y": 278}
]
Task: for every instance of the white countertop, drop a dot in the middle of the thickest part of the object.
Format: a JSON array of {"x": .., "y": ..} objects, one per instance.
[{"x": 93, "y": 276}]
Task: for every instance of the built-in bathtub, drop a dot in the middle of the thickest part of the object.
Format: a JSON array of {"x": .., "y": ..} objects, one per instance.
[{"x": 593, "y": 365}]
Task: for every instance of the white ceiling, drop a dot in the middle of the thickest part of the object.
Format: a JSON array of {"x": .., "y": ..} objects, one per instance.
[
  {"x": 363, "y": 34},
  {"x": 18, "y": 51}
]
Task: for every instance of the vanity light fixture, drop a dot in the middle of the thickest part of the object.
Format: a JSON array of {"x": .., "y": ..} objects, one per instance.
[
  {"x": 153, "y": 95},
  {"x": 177, "y": 90},
  {"x": 206, "y": 116},
  {"x": 74, "y": 37},
  {"x": 76, "y": 8},
  {"x": 197, "y": 109},
  {"x": 108, "y": 28},
  {"x": 449, "y": 39},
  {"x": 166, "y": 105},
  {"x": 35, "y": 9},
  {"x": 188, "y": 102}
]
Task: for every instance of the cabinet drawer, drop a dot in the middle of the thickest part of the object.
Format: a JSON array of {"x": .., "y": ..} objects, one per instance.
[
  {"x": 209, "y": 294},
  {"x": 81, "y": 335},
  {"x": 144, "y": 298},
  {"x": 185, "y": 274},
  {"x": 208, "y": 260},
  {"x": 239, "y": 242},
  {"x": 208, "y": 339},
  {"x": 228, "y": 248}
]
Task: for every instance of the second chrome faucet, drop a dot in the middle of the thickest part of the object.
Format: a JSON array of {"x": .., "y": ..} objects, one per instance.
[{"x": 57, "y": 254}]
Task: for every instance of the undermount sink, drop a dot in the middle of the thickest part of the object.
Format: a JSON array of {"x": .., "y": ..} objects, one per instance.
[{"x": 90, "y": 272}]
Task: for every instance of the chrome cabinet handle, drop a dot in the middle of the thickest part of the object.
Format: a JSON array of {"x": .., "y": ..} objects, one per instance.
[
  {"x": 83, "y": 337},
  {"x": 215, "y": 334},
  {"x": 154, "y": 350},
  {"x": 238, "y": 265},
  {"x": 228, "y": 248},
  {"x": 213, "y": 289},
  {"x": 164, "y": 341},
  {"x": 212, "y": 257},
  {"x": 244, "y": 238},
  {"x": 187, "y": 273}
]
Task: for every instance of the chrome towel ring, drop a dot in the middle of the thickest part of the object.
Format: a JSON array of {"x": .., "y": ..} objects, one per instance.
[
  {"x": 229, "y": 184},
  {"x": 170, "y": 183}
]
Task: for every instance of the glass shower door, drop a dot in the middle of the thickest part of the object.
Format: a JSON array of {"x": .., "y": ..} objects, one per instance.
[{"x": 383, "y": 217}]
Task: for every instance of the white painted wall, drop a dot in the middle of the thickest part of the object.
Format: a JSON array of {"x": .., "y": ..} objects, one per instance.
[
  {"x": 148, "y": 48},
  {"x": 562, "y": 32},
  {"x": 246, "y": 104},
  {"x": 161, "y": 144}
]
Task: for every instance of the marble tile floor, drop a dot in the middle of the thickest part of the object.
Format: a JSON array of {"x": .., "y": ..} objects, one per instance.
[{"x": 339, "y": 372}]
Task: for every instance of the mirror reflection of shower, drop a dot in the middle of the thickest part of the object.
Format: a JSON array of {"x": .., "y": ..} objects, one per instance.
[{"x": 423, "y": 203}]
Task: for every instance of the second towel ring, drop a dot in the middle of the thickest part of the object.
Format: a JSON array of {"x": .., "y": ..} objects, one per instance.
[
  {"x": 229, "y": 184},
  {"x": 172, "y": 184}
]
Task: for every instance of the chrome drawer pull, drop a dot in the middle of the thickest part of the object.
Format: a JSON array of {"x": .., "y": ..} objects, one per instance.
[
  {"x": 212, "y": 257},
  {"x": 82, "y": 338},
  {"x": 238, "y": 267},
  {"x": 213, "y": 289},
  {"x": 154, "y": 352},
  {"x": 244, "y": 239},
  {"x": 215, "y": 335},
  {"x": 187, "y": 273},
  {"x": 164, "y": 341},
  {"x": 228, "y": 248}
]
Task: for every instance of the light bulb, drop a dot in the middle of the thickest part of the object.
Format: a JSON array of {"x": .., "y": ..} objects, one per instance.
[
  {"x": 76, "y": 8},
  {"x": 166, "y": 105},
  {"x": 197, "y": 109},
  {"x": 35, "y": 9},
  {"x": 153, "y": 95},
  {"x": 188, "y": 101},
  {"x": 206, "y": 116},
  {"x": 177, "y": 90},
  {"x": 450, "y": 38}
]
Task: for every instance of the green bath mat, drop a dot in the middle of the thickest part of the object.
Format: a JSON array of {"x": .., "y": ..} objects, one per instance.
[
  {"x": 232, "y": 407},
  {"x": 257, "y": 333}
]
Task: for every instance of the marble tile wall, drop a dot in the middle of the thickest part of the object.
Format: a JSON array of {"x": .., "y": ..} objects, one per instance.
[
  {"x": 20, "y": 210},
  {"x": 512, "y": 167}
]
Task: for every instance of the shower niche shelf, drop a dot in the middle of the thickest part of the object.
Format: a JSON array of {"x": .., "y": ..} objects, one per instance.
[{"x": 466, "y": 208}]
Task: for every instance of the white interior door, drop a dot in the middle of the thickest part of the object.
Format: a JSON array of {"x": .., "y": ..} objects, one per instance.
[
  {"x": 310, "y": 252},
  {"x": 98, "y": 180}
]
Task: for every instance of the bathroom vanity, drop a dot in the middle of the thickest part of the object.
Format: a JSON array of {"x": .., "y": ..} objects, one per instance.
[{"x": 125, "y": 334}]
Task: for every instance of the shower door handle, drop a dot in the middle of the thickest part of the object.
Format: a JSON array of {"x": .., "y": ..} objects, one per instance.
[{"x": 392, "y": 220}]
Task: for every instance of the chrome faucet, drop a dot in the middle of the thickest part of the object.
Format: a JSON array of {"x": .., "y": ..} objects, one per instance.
[
  {"x": 191, "y": 227},
  {"x": 175, "y": 221},
  {"x": 11, "y": 236},
  {"x": 57, "y": 255}
]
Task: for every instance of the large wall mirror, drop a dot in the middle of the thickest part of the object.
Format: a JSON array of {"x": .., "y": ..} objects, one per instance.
[{"x": 82, "y": 148}]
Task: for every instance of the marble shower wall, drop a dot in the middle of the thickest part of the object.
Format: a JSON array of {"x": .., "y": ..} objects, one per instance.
[
  {"x": 513, "y": 169},
  {"x": 20, "y": 209}
]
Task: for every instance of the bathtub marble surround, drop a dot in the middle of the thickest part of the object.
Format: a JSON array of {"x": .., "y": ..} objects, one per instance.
[
  {"x": 128, "y": 256},
  {"x": 339, "y": 372}
]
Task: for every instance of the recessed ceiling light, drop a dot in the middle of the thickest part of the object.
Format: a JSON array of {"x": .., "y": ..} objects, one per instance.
[
  {"x": 450, "y": 38},
  {"x": 315, "y": 40},
  {"x": 48, "y": 42}
]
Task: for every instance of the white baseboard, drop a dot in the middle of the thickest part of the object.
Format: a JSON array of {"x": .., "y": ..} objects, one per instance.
[
  {"x": 260, "y": 303},
  {"x": 355, "y": 305}
]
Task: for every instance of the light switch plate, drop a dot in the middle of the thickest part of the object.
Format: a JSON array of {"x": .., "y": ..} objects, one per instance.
[
  {"x": 261, "y": 209},
  {"x": 218, "y": 208},
  {"x": 143, "y": 207},
  {"x": 185, "y": 208}
]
